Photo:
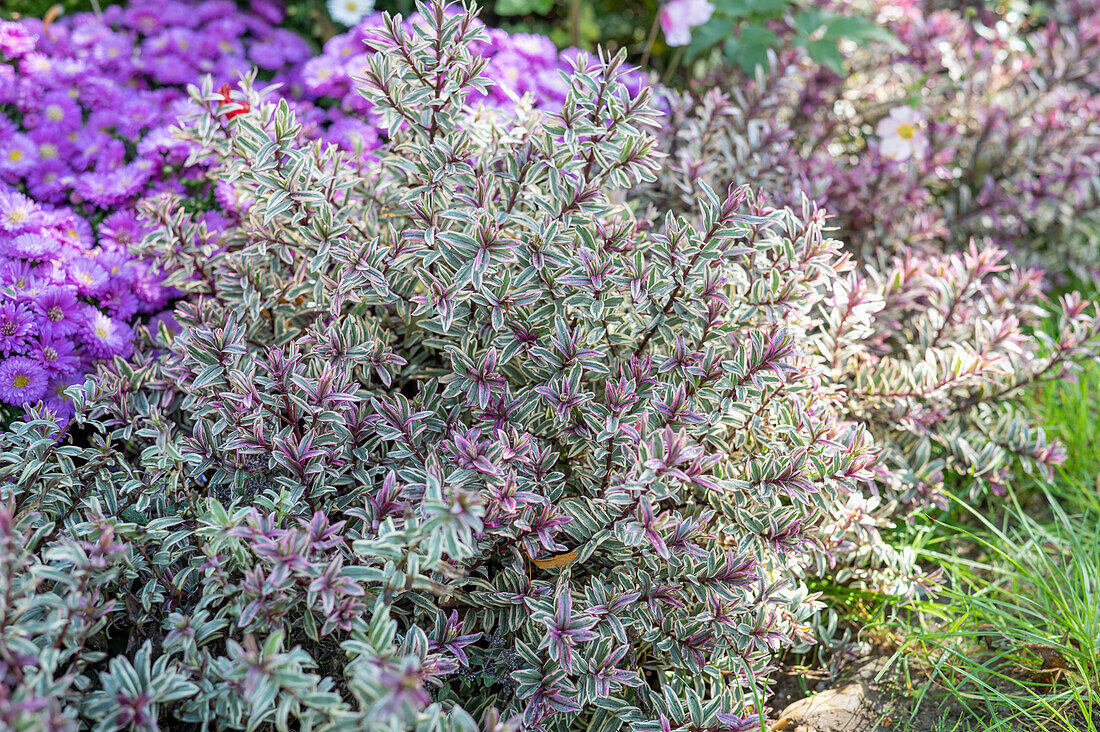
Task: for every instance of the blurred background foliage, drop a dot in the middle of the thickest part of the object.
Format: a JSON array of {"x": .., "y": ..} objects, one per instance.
[{"x": 740, "y": 31}]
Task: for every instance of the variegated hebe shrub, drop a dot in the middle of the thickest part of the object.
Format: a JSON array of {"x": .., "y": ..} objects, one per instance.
[{"x": 454, "y": 435}]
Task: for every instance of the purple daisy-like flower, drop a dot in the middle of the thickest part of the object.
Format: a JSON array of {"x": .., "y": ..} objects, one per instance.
[
  {"x": 118, "y": 300},
  {"x": 56, "y": 399},
  {"x": 511, "y": 71},
  {"x": 98, "y": 150},
  {"x": 32, "y": 246},
  {"x": 17, "y": 273},
  {"x": 18, "y": 155},
  {"x": 58, "y": 310},
  {"x": 152, "y": 294},
  {"x": 70, "y": 230},
  {"x": 324, "y": 76},
  {"x": 50, "y": 181},
  {"x": 52, "y": 145},
  {"x": 87, "y": 275},
  {"x": 112, "y": 50},
  {"x": 103, "y": 336},
  {"x": 17, "y": 212},
  {"x": 266, "y": 55},
  {"x": 16, "y": 327},
  {"x": 535, "y": 47},
  {"x": 348, "y": 133},
  {"x": 15, "y": 39},
  {"x": 160, "y": 143},
  {"x": 22, "y": 381},
  {"x": 120, "y": 230},
  {"x": 117, "y": 264},
  {"x": 58, "y": 111},
  {"x": 58, "y": 355}
]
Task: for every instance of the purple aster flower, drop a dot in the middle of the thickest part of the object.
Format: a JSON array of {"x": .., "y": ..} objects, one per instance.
[
  {"x": 68, "y": 228},
  {"x": 58, "y": 355},
  {"x": 58, "y": 311},
  {"x": 58, "y": 111},
  {"x": 102, "y": 120},
  {"x": 227, "y": 195},
  {"x": 551, "y": 86},
  {"x": 117, "y": 265},
  {"x": 16, "y": 327},
  {"x": 137, "y": 115},
  {"x": 294, "y": 48},
  {"x": 18, "y": 155},
  {"x": 160, "y": 142},
  {"x": 87, "y": 275},
  {"x": 349, "y": 132},
  {"x": 171, "y": 70},
  {"x": 142, "y": 17},
  {"x": 17, "y": 273},
  {"x": 103, "y": 336},
  {"x": 118, "y": 299},
  {"x": 32, "y": 246},
  {"x": 511, "y": 71},
  {"x": 230, "y": 67},
  {"x": 56, "y": 399},
  {"x": 113, "y": 50},
  {"x": 269, "y": 10},
  {"x": 343, "y": 47},
  {"x": 22, "y": 381},
  {"x": 101, "y": 93},
  {"x": 15, "y": 39},
  {"x": 231, "y": 27},
  {"x": 214, "y": 9},
  {"x": 266, "y": 55},
  {"x": 227, "y": 45},
  {"x": 534, "y": 47},
  {"x": 51, "y": 144},
  {"x": 98, "y": 150},
  {"x": 36, "y": 64},
  {"x": 17, "y": 212},
  {"x": 120, "y": 230},
  {"x": 50, "y": 181},
  {"x": 168, "y": 318},
  {"x": 324, "y": 76},
  {"x": 9, "y": 91}
]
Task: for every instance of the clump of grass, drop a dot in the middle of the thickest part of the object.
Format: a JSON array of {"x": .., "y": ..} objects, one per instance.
[
  {"x": 1015, "y": 638},
  {"x": 1071, "y": 409}
]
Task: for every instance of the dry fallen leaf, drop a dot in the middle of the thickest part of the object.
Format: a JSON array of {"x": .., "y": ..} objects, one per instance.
[{"x": 555, "y": 562}]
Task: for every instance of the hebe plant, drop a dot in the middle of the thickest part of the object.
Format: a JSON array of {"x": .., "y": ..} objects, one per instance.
[
  {"x": 450, "y": 436},
  {"x": 935, "y": 353},
  {"x": 937, "y": 334}
]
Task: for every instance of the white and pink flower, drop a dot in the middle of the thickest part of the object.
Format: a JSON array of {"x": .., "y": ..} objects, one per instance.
[
  {"x": 901, "y": 134},
  {"x": 678, "y": 17}
]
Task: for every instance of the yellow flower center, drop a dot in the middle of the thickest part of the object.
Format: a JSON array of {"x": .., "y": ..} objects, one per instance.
[
  {"x": 15, "y": 156},
  {"x": 17, "y": 216},
  {"x": 47, "y": 150},
  {"x": 20, "y": 381},
  {"x": 101, "y": 332},
  {"x": 55, "y": 112},
  {"x": 906, "y": 132}
]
